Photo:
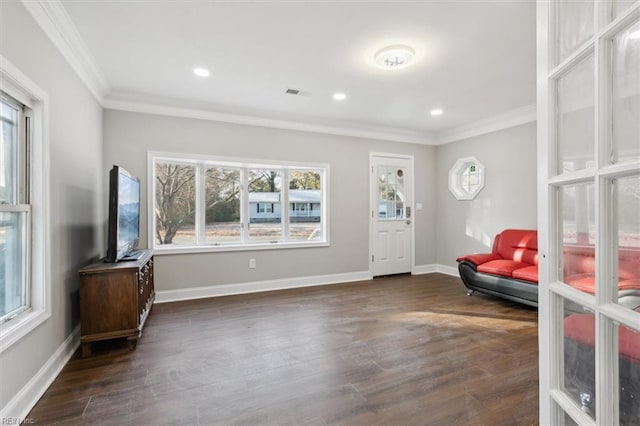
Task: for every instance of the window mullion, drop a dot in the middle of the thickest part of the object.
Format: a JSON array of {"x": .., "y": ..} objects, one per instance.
[
  {"x": 284, "y": 195},
  {"x": 201, "y": 204},
  {"x": 244, "y": 205}
]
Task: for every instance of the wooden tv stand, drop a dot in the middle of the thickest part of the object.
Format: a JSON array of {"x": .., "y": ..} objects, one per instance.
[{"x": 115, "y": 300}]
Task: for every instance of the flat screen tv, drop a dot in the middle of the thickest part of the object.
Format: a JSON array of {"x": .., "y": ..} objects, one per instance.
[{"x": 124, "y": 215}]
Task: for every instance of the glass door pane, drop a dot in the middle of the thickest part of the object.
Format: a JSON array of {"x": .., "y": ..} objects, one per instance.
[
  {"x": 626, "y": 95},
  {"x": 578, "y": 238},
  {"x": 629, "y": 368},
  {"x": 575, "y": 116},
  {"x": 574, "y": 25},
  {"x": 580, "y": 356},
  {"x": 626, "y": 192}
]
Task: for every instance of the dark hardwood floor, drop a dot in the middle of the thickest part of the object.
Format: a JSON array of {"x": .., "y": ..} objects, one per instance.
[{"x": 404, "y": 350}]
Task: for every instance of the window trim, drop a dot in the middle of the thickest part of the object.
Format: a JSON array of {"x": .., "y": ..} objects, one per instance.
[
  {"x": 239, "y": 163},
  {"x": 17, "y": 85},
  {"x": 456, "y": 186}
]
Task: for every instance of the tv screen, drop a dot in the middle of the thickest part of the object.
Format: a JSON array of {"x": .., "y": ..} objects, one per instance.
[{"x": 124, "y": 214}]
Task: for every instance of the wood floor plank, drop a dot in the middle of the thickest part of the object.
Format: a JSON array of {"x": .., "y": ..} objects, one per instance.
[{"x": 410, "y": 350}]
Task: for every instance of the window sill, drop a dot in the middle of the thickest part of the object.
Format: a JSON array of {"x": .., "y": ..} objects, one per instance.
[
  {"x": 15, "y": 329},
  {"x": 162, "y": 250}
]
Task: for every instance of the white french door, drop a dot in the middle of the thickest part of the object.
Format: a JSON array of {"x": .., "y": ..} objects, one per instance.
[
  {"x": 589, "y": 211},
  {"x": 391, "y": 183}
]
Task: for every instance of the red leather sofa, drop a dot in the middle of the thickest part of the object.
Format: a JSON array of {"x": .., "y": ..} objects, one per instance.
[{"x": 510, "y": 271}]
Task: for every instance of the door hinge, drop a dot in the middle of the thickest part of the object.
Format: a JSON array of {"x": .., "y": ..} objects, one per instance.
[{"x": 372, "y": 258}]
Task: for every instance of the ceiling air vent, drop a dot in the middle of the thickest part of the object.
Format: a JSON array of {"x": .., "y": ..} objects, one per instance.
[{"x": 297, "y": 92}]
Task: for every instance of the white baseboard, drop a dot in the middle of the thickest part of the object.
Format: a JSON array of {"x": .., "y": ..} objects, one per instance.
[
  {"x": 22, "y": 403},
  {"x": 449, "y": 270},
  {"x": 163, "y": 296},
  {"x": 424, "y": 269},
  {"x": 430, "y": 269}
]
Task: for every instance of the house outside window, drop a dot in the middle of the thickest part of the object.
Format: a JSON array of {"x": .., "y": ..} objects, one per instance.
[{"x": 218, "y": 204}]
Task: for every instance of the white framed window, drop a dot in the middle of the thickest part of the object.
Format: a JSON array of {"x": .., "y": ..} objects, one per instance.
[
  {"x": 466, "y": 178},
  {"x": 203, "y": 203},
  {"x": 24, "y": 166}
]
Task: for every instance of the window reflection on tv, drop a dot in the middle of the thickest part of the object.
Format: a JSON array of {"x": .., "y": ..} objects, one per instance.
[{"x": 128, "y": 213}]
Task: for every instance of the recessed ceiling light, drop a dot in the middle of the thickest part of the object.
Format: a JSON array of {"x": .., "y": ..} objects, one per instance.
[
  {"x": 635, "y": 35},
  {"x": 394, "y": 57},
  {"x": 339, "y": 96},
  {"x": 436, "y": 112},
  {"x": 201, "y": 72}
]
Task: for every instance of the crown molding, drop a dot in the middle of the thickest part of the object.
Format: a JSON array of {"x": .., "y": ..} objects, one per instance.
[
  {"x": 153, "y": 107},
  {"x": 509, "y": 119},
  {"x": 58, "y": 26}
]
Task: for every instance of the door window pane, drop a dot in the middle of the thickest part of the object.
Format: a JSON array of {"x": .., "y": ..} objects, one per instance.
[
  {"x": 575, "y": 117},
  {"x": 265, "y": 211},
  {"x": 629, "y": 368},
  {"x": 391, "y": 192},
  {"x": 305, "y": 205},
  {"x": 626, "y": 95},
  {"x": 13, "y": 257},
  {"x": 577, "y": 223},
  {"x": 574, "y": 25},
  {"x": 627, "y": 202},
  {"x": 222, "y": 210},
  {"x": 175, "y": 204},
  {"x": 579, "y": 356}
]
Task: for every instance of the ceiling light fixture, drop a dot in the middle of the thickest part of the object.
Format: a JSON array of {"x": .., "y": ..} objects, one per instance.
[
  {"x": 436, "y": 112},
  {"x": 201, "y": 72},
  {"x": 635, "y": 35},
  {"x": 394, "y": 57},
  {"x": 339, "y": 96}
]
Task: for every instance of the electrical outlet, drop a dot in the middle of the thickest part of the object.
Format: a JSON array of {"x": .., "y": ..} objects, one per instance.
[{"x": 252, "y": 263}]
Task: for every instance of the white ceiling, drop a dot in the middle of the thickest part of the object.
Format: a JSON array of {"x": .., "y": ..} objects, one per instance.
[{"x": 475, "y": 59}]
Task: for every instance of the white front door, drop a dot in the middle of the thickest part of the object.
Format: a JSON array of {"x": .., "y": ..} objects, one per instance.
[{"x": 391, "y": 214}]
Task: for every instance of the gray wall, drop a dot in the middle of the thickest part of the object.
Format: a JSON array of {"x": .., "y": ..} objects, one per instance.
[
  {"x": 508, "y": 199},
  {"x": 128, "y": 137},
  {"x": 76, "y": 188}
]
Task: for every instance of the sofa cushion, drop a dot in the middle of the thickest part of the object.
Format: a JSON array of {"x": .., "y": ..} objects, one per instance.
[
  {"x": 529, "y": 273},
  {"x": 478, "y": 258},
  {"x": 520, "y": 245},
  {"x": 502, "y": 267}
]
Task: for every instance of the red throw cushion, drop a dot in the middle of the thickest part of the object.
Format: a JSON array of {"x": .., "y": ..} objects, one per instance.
[
  {"x": 501, "y": 267},
  {"x": 530, "y": 273},
  {"x": 479, "y": 258}
]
